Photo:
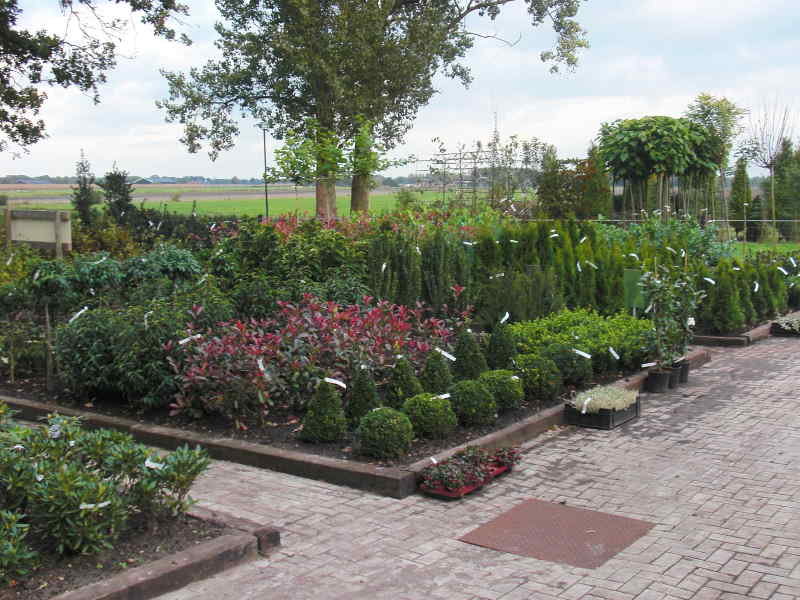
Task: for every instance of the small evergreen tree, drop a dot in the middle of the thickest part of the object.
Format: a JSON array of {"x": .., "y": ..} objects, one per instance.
[
  {"x": 436, "y": 377},
  {"x": 118, "y": 192},
  {"x": 741, "y": 194},
  {"x": 402, "y": 385},
  {"x": 362, "y": 397},
  {"x": 502, "y": 349},
  {"x": 470, "y": 362},
  {"x": 596, "y": 186},
  {"x": 83, "y": 196},
  {"x": 325, "y": 420},
  {"x": 726, "y": 313}
]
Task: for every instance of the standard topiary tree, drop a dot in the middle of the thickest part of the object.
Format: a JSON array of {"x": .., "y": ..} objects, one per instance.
[
  {"x": 325, "y": 420},
  {"x": 505, "y": 387},
  {"x": 431, "y": 416},
  {"x": 362, "y": 397},
  {"x": 403, "y": 384},
  {"x": 385, "y": 433},
  {"x": 470, "y": 362},
  {"x": 473, "y": 403},
  {"x": 502, "y": 349},
  {"x": 541, "y": 378},
  {"x": 436, "y": 377}
]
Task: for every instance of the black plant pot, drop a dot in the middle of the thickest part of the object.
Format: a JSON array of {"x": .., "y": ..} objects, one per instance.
[
  {"x": 684, "y": 372},
  {"x": 657, "y": 382},
  {"x": 674, "y": 376}
]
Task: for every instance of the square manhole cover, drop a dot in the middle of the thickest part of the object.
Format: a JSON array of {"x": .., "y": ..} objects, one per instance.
[{"x": 558, "y": 533}]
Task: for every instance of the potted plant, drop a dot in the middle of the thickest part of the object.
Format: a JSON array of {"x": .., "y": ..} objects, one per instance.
[
  {"x": 467, "y": 471},
  {"x": 787, "y": 326},
  {"x": 603, "y": 407}
]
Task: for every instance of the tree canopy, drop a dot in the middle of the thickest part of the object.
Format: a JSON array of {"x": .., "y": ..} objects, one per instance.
[{"x": 32, "y": 61}]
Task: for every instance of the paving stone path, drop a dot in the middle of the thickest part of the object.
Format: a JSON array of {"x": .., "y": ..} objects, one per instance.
[{"x": 714, "y": 464}]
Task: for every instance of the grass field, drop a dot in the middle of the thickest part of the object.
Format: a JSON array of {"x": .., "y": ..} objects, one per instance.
[
  {"x": 23, "y": 191},
  {"x": 741, "y": 248},
  {"x": 243, "y": 206}
]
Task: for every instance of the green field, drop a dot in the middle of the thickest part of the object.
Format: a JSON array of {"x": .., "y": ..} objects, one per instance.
[
  {"x": 742, "y": 249},
  {"x": 243, "y": 206},
  {"x": 65, "y": 191}
]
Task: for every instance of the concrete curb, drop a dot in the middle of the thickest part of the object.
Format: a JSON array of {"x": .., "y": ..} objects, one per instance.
[
  {"x": 193, "y": 564},
  {"x": 396, "y": 482}
]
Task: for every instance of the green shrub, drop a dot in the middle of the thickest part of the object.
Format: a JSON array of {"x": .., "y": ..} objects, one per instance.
[
  {"x": 541, "y": 378},
  {"x": 324, "y": 420},
  {"x": 502, "y": 348},
  {"x": 403, "y": 384},
  {"x": 385, "y": 433},
  {"x": 16, "y": 559},
  {"x": 470, "y": 362},
  {"x": 362, "y": 397},
  {"x": 505, "y": 387},
  {"x": 436, "y": 377},
  {"x": 431, "y": 416},
  {"x": 575, "y": 369},
  {"x": 473, "y": 403}
]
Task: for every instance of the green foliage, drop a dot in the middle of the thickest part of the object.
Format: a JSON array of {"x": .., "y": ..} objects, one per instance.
[
  {"x": 724, "y": 305},
  {"x": 324, "y": 420},
  {"x": 473, "y": 403},
  {"x": 84, "y": 196},
  {"x": 385, "y": 433},
  {"x": 118, "y": 193},
  {"x": 470, "y": 362},
  {"x": 541, "y": 379},
  {"x": 403, "y": 384},
  {"x": 502, "y": 349},
  {"x": 16, "y": 558},
  {"x": 436, "y": 376},
  {"x": 362, "y": 396},
  {"x": 431, "y": 416},
  {"x": 506, "y": 387},
  {"x": 741, "y": 195},
  {"x": 575, "y": 369}
]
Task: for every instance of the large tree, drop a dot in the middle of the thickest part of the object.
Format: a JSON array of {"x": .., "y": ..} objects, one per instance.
[
  {"x": 80, "y": 57},
  {"x": 339, "y": 62}
]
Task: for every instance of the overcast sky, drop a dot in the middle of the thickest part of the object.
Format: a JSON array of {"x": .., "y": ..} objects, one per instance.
[{"x": 647, "y": 57}]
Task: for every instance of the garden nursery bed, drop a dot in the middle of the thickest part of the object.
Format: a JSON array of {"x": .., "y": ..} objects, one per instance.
[{"x": 136, "y": 547}]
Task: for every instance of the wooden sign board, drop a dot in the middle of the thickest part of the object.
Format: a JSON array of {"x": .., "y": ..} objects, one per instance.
[{"x": 48, "y": 229}]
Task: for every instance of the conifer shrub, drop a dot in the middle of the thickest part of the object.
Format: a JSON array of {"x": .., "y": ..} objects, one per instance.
[
  {"x": 403, "y": 384},
  {"x": 502, "y": 349},
  {"x": 436, "y": 376},
  {"x": 506, "y": 387},
  {"x": 362, "y": 396},
  {"x": 385, "y": 433},
  {"x": 473, "y": 403},
  {"x": 726, "y": 310},
  {"x": 575, "y": 369},
  {"x": 541, "y": 378},
  {"x": 470, "y": 362},
  {"x": 431, "y": 416},
  {"x": 324, "y": 420}
]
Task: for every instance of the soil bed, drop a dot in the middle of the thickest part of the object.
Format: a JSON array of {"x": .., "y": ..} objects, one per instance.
[
  {"x": 135, "y": 547},
  {"x": 280, "y": 431}
]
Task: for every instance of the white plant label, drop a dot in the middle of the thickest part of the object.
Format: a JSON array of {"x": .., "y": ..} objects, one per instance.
[
  {"x": 497, "y": 275},
  {"x": 156, "y": 466},
  {"x": 683, "y": 253},
  {"x": 153, "y": 224},
  {"x": 553, "y": 235},
  {"x": 782, "y": 270},
  {"x": 10, "y": 258},
  {"x": 18, "y": 447},
  {"x": 517, "y": 242},
  {"x": 581, "y": 353},
  {"x": 690, "y": 322},
  {"x": 419, "y": 251},
  {"x": 469, "y": 243},
  {"x": 650, "y": 364},
  {"x": 613, "y": 353},
  {"x": 709, "y": 280},
  {"x": 591, "y": 264},
  {"x": 185, "y": 341},
  {"x": 505, "y": 318},
  {"x": 203, "y": 279},
  {"x": 648, "y": 309},
  {"x": 792, "y": 260},
  {"x": 91, "y": 291},
  {"x": 434, "y": 461},
  {"x": 79, "y": 313},
  {"x": 736, "y": 269},
  {"x": 672, "y": 250},
  {"x": 578, "y": 265},
  {"x": 583, "y": 239},
  {"x": 91, "y": 506},
  {"x": 443, "y": 396},
  {"x": 514, "y": 378},
  {"x": 338, "y": 382},
  {"x": 147, "y": 314},
  {"x": 585, "y": 405},
  {"x": 447, "y": 355},
  {"x": 755, "y": 286},
  {"x": 213, "y": 227},
  {"x": 159, "y": 225},
  {"x": 36, "y": 276},
  {"x": 634, "y": 255},
  {"x": 383, "y": 267}
]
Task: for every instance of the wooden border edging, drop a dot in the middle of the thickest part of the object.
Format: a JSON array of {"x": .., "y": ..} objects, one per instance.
[
  {"x": 756, "y": 334},
  {"x": 182, "y": 568},
  {"x": 396, "y": 482}
]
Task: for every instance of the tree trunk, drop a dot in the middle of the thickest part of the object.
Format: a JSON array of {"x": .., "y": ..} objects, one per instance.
[
  {"x": 359, "y": 193},
  {"x": 772, "y": 192},
  {"x": 326, "y": 198}
]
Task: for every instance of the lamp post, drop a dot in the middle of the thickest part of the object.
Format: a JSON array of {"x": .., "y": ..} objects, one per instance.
[{"x": 263, "y": 126}]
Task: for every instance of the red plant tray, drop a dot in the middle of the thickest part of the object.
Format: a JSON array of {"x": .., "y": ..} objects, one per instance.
[{"x": 495, "y": 471}]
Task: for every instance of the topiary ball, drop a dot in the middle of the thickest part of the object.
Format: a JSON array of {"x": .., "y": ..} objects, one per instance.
[
  {"x": 505, "y": 387},
  {"x": 324, "y": 420},
  {"x": 385, "y": 433},
  {"x": 431, "y": 416},
  {"x": 541, "y": 378},
  {"x": 473, "y": 403}
]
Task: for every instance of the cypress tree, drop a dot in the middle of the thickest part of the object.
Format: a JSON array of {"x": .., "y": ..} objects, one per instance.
[
  {"x": 502, "y": 349},
  {"x": 325, "y": 420},
  {"x": 741, "y": 194},
  {"x": 727, "y": 316},
  {"x": 470, "y": 362},
  {"x": 402, "y": 385},
  {"x": 83, "y": 196},
  {"x": 362, "y": 397},
  {"x": 436, "y": 377}
]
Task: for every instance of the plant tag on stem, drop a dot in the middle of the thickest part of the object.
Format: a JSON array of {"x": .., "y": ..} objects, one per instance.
[
  {"x": 186, "y": 340},
  {"x": 36, "y": 276},
  {"x": 683, "y": 253},
  {"x": 782, "y": 270},
  {"x": 338, "y": 382},
  {"x": 447, "y": 355},
  {"x": 755, "y": 286},
  {"x": 648, "y": 309},
  {"x": 10, "y": 258},
  {"x": 591, "y": 264},
  {"x": 709, "y": 280},
  {"x": 613, "y": 353},
  {"x": 78, "y": 314},
  {"x": 434, "y": 461},
  {"x": 514, "y": 241},
  {"x": 466, "y": 243},
  {"x": 147, "y": 314},
  {"x": 514, "y": 378},
  {"x": 736, "y": 269},
  {"x": 213, "y": 227},
  {"x": 672, "y": 250},
  {"x": 554, "y": 235},
  {"x": 443, "y": 396},
  {"x": 583, "y": 239},
  {"x": 650, "y": 364},
  {"x": 383, "y": 267},
  {"x": 419, "y": 251},
  {"x": 792, "y": 260},
  {"x": 505, "y": 318},
  {"x": 585, "y": 405},
  {"x": 150, "y": 464},
  {"x": 634, "y": 255},
  {"x": 581, "y": 353},
  {"x": 578, "y": 265}
]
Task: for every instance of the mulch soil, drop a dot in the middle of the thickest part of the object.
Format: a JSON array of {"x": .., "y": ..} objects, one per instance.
[
  {"x": 280, "y": 430},
  {"x": 136, "y": 546}
]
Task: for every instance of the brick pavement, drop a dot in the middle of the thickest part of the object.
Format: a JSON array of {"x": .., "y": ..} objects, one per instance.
[{"x": 713, "y": 464}]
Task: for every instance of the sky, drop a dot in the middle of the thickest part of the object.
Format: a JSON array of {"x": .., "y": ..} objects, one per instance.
[{"x": 647, "y": 57}]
